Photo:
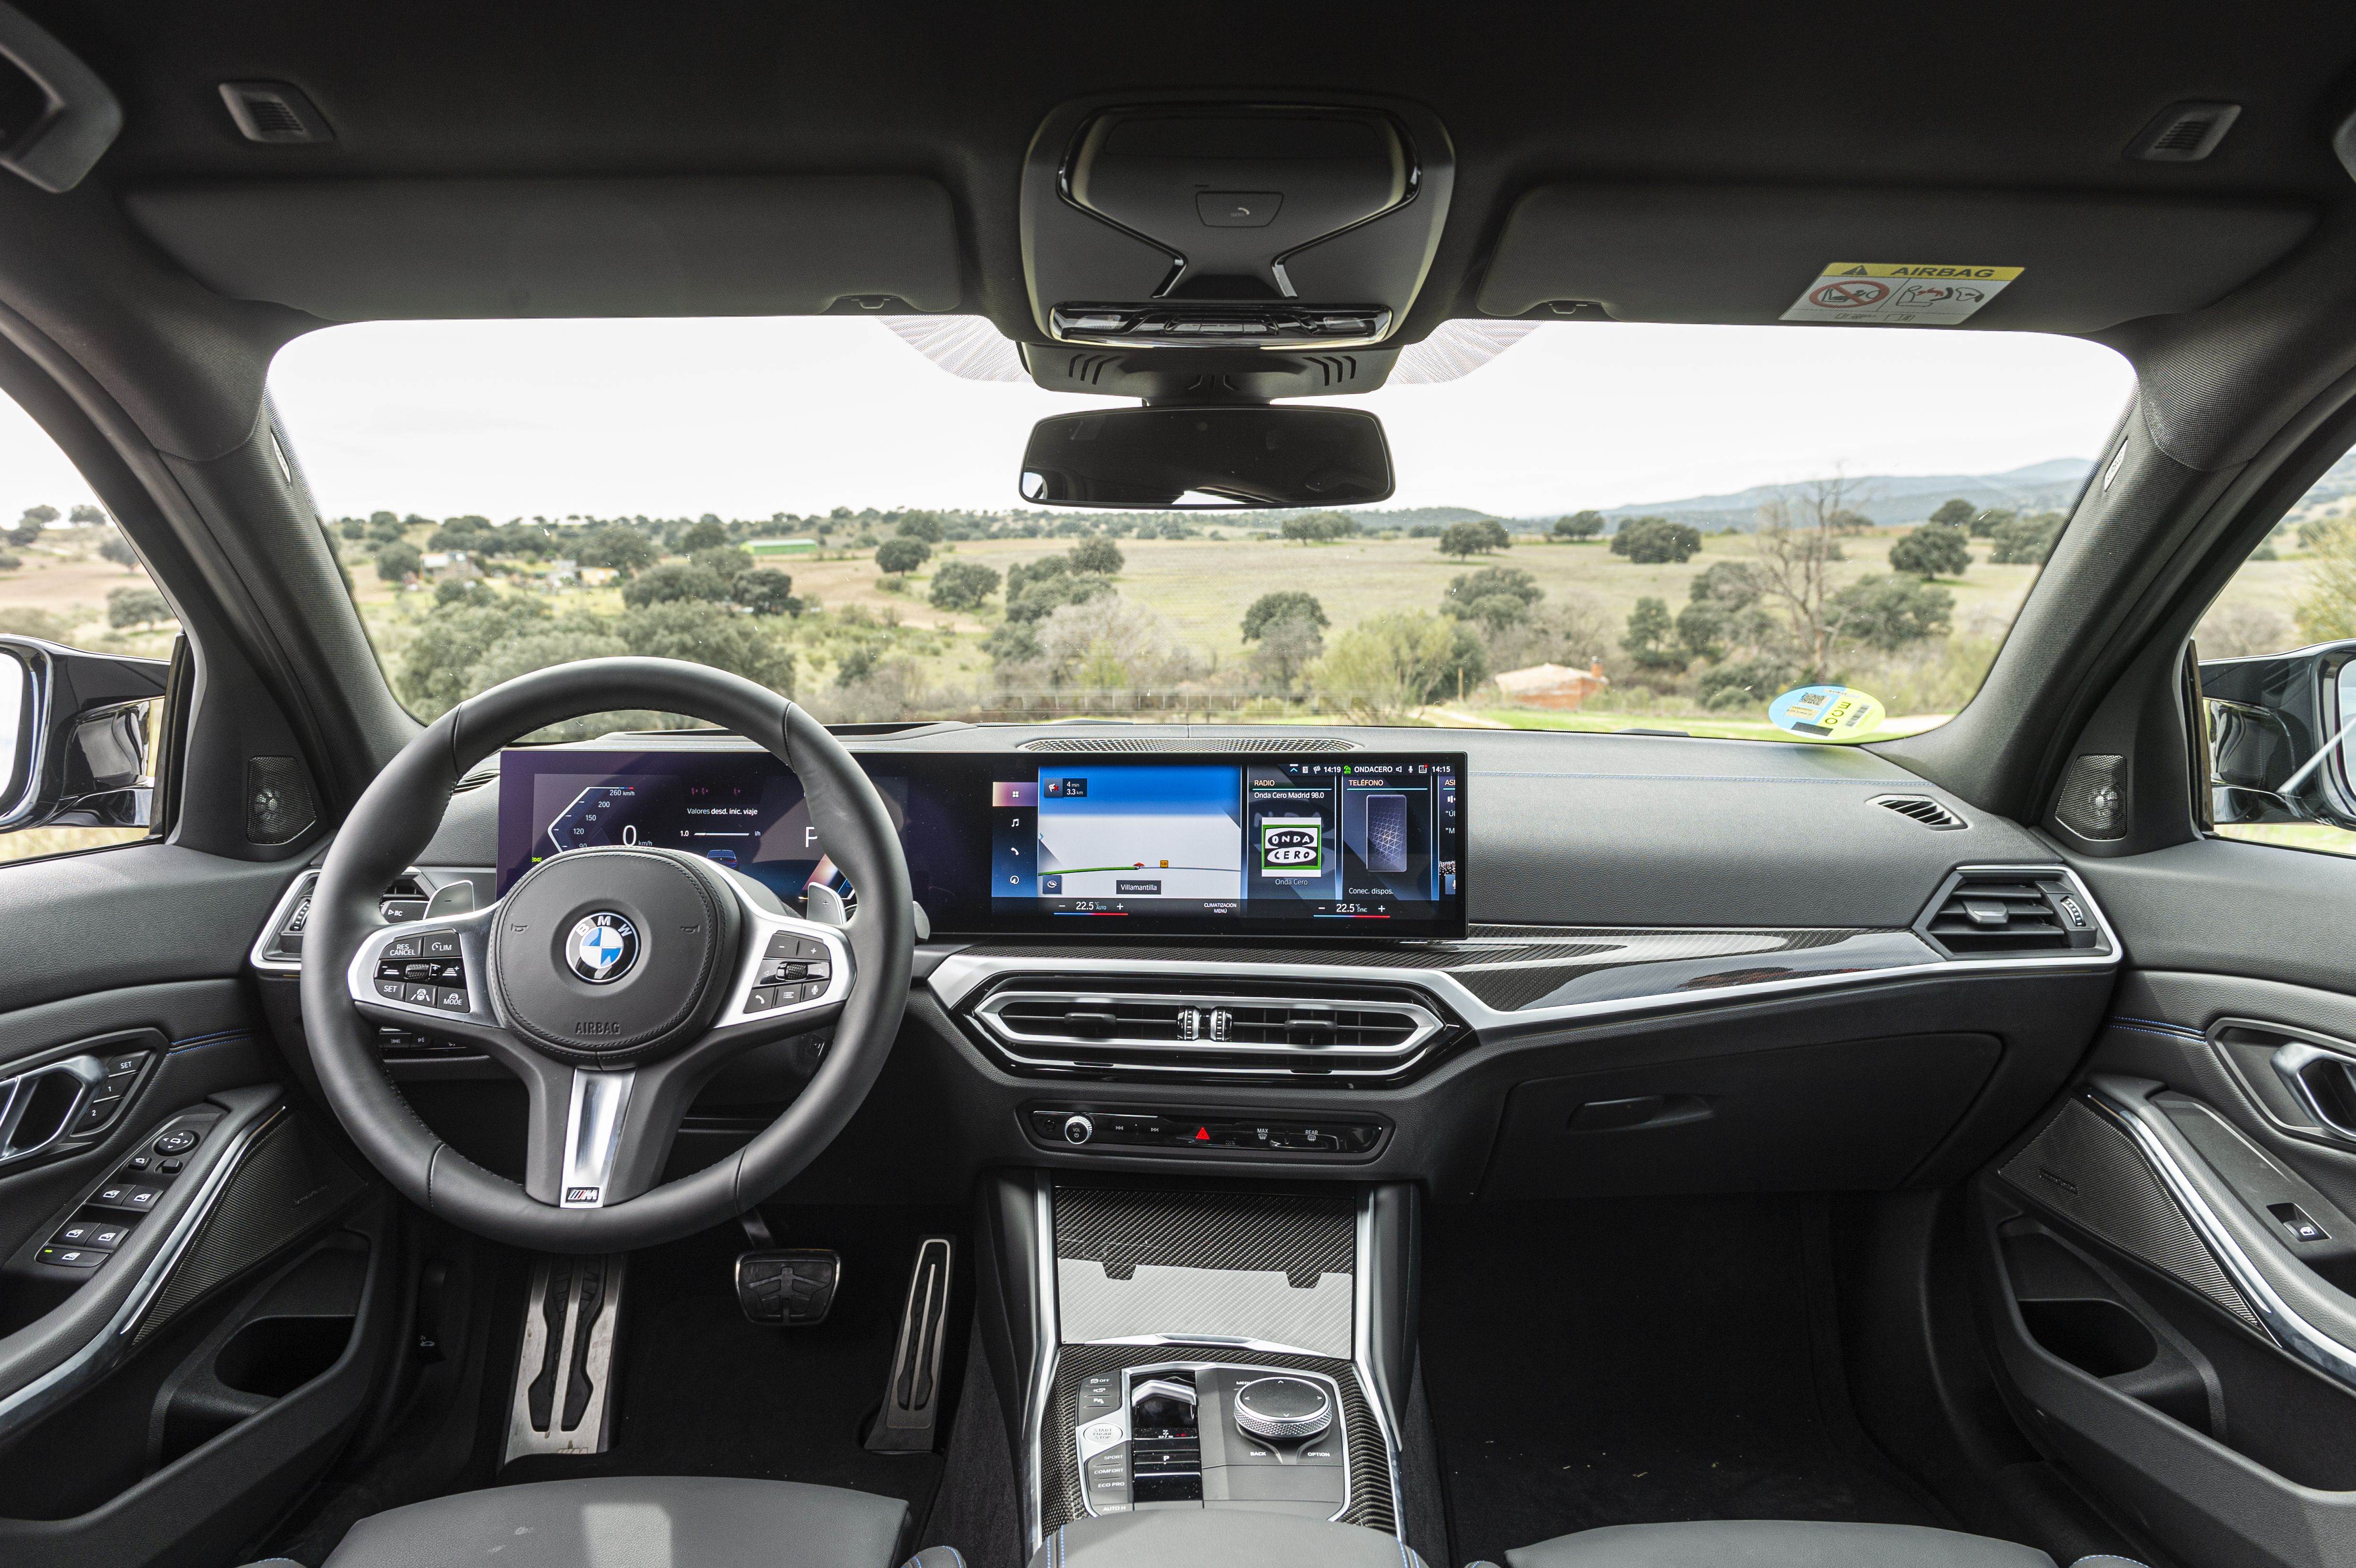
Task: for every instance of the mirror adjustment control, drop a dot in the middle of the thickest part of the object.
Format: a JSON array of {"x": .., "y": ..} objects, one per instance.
[{"x": 179, "y": 1140}]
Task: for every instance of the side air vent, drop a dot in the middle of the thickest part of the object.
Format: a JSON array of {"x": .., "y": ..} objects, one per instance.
[
  {"x": 1141, "y": 1027},
  {"x": 2007, "y": 912},
  {"x": 1921, "y": 807},
  {"x": 2184, "y": 132},
  {"x": 275, "y": 113},
  {"x": 1188, "y": 743}
]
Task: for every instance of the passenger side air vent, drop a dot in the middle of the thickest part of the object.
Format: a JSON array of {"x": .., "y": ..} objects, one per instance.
[
  {"x": 2006, "y": 913},
  {"x": 1921, "y": 807},
  {"x": 1144, "y": 1028}
]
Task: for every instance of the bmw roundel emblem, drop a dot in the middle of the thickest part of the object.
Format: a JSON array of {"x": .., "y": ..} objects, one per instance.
[{"x": 602, "y": 947}]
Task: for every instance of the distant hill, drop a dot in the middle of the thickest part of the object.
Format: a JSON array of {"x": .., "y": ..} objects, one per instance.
[{"x": 1884, "y": 498}]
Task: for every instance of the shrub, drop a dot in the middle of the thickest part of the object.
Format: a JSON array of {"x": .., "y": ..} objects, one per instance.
[
  {"x": 1888, "y": 611},
  {"x": 764, "y": 590},
  {"x": 396, "y": 562},
  {"x": 1934, "y": 550},
  {"x": 963, "y": 586},
  {"x": 1101, "y": 557},
  {"x": 675, "y": 582},
  {"x": 2026, "y": 541},
  {"x": 710, "y": 533},
  {"x": 1579, "y": 525},
  {"x": 1654, "y": 541},
  {"x": 901, "y": 556},
  {"x": 1490, "y": 583},
  {"x": 1464, "y": 540},
  {"x": 1287, "y": 605},
  {"x": 1318, "y": 528},
  {"x": 1650, "y": 637}
]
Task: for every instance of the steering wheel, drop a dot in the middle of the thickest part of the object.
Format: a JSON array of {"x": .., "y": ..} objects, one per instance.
[{"x": 614, "y": 981}]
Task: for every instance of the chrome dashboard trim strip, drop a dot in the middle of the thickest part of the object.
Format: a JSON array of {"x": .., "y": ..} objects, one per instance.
[
  {"x": 1362, "y": 1339},
  {"x": 2288, "y": 1329},
  {"x": 1047, "y": 1346},
  {"x": 112, "y": 1343}
]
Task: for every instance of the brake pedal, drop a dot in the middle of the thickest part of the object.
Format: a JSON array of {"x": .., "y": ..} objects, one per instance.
[
  {"x": 564, "y": 1401},
  {"x": 787, "y": 1287},
  {"x": 912, "y": 1399}
]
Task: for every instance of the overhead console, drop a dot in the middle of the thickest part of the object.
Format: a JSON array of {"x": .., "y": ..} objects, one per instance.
[{"x": 1192, "y": 224}]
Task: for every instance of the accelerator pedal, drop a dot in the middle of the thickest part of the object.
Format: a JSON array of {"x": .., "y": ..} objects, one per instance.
[{"x": 912, "y": 1400}]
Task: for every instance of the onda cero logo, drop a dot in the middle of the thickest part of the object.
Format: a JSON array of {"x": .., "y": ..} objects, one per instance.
[{"x": 1292, "y": 847}]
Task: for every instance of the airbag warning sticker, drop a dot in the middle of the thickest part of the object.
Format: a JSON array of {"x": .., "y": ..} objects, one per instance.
[{"x": 1909, "y": 294}]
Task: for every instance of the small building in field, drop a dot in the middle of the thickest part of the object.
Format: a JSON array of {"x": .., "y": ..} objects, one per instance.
[
  {"x": 1552, "y": 684},
  {"x": 762, "y": 549}
]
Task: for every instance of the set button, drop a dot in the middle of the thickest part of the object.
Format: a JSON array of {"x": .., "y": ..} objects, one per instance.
[{"x": 423, "y": 970}]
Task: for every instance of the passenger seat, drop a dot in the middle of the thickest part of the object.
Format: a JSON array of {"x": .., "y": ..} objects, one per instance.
[{"x": 1783, "y": 1543}]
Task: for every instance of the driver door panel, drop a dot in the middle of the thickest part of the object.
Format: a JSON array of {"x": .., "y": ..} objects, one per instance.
[{"x": 166, "y": 1402}]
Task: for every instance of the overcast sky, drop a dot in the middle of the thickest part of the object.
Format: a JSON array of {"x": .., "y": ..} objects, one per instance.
[{"x": 745, "y": 418}]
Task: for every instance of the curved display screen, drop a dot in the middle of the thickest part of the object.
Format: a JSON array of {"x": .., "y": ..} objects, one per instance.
[{"x": 1209, "y": 844}]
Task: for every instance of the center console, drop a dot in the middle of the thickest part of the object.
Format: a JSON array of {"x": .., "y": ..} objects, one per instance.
[{"x": 1198, "y": 1349}]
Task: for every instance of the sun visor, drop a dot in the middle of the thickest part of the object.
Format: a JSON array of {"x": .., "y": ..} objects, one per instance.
[
  {"x": 422, "y": 250},
  {"x": 1752, "y": 255}
]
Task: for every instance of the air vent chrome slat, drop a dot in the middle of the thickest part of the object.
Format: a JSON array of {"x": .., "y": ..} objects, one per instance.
[
  {"x": 2004, "y": 912},
  {"x": 1921, "y": 809}
]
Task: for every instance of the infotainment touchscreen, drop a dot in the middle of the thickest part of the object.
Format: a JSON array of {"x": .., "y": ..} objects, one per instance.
[
  {"x": 1200, "y": 844},
  {"x": 1303, "y": 842}
]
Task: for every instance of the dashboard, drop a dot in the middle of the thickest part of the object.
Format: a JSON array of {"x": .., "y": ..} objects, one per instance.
[
  {"x": 1501, "y": 964},
  {"x": 1265, "y": 844}
]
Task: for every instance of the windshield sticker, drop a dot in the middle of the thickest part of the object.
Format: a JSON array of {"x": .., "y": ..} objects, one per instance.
[
  {"x": 1826, "y": 712},
  {"x": 1898, "y": 295}
]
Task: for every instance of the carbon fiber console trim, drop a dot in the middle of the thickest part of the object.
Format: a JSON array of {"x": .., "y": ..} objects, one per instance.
[
  {"x": 1370, "y": 1472},
  {"x": 1304, "y": 1237}
]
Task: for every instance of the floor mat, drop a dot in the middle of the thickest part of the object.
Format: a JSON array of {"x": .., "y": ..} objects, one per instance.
[
  {"x": 1628, "y": 1362},
  {"x": 703, "y": 1392}
]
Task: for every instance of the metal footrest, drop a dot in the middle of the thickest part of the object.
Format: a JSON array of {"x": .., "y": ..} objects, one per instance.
[{"x": 564, "y": 1391}]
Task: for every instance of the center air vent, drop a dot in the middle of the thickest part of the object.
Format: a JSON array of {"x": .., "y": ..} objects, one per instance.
[
  {"x": 2007, "y": 912},
  {"x": 1061, "y": 1025}
]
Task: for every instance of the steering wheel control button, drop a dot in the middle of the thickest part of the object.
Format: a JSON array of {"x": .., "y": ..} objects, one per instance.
[
  {"x": 450, "y": 1001},
  {"x": 126, "y": 1197},
  {"x": 406, "y": 946},
  {"x": 1283, "y": 1409},
  {"x": 785, "y": 944},
  {"x": 760, "y": 999},
  {"x": 179, "y": 1140},
  {"x": 439, "y": 944}
]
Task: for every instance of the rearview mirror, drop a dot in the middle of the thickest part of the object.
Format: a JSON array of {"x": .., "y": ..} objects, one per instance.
[
  {"x": 1253, "y": 454},
  {"x": 2282, "y": 736}
]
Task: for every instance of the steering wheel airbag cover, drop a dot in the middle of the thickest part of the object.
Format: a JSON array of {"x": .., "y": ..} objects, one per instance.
[
  {"x": 396, "y": 816},
  {"x": 681, "y": 932}
]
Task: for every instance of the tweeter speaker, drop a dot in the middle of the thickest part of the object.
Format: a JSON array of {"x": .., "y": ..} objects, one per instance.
[
  {"x": 277, "y": 800},
  {"x": 2093, "y": 799}
]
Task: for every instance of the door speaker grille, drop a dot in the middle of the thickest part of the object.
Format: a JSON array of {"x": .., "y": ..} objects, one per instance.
[
  {"x": 278, "y": 806},
  {"x": 2087, "y": 1170}
]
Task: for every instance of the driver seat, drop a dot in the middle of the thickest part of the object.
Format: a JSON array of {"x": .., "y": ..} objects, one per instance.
[{"x": 635, "y": 1521}]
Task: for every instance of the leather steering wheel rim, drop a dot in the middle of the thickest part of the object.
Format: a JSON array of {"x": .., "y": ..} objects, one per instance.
[{"x": 396, "y": 818}]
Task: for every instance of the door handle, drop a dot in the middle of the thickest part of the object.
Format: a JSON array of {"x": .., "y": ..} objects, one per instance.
[
  {"x": 2323, "y": 1082},
  {"x": 38, "y": 1107}
]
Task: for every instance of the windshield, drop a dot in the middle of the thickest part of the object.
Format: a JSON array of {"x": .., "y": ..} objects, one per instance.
[{"x": 1597, "y": 526}]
